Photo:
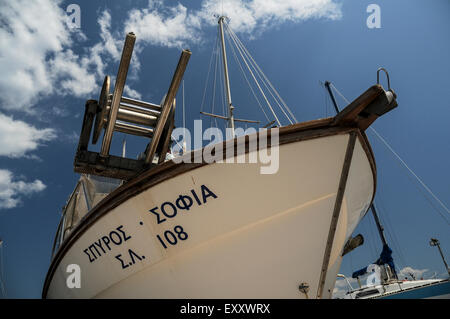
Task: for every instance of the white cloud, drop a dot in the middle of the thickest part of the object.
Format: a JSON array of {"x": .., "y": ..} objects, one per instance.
[
  {"x": 407, "y": 271},
  {"x": 72, "y": 75},
  {"x": 177, "y": 26},
  {"x": 17, "y": 137},
  {"x": 341, "y": 286},
  {"x": 36, "y": 56},
  {"x": 12, "y": 189},
  {"x": 129, "y": 92},
  {"x": 256, "y": 16},
  {"x": 30, "y": 31},
  {"x": 36, "y": 46},
  {"x": 160, "y": 25}
]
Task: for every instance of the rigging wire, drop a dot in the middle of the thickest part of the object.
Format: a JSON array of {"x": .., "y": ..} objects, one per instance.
[
  {"x": 391, "y": 233},
  {"x": 245, "y": 55},
  {"x": 257, "y": 83},
  {"x": 416, "y": 177},
  {"x": 261, "y": 73},
  {"x": 207, "y": 75},
  {"x": 260, "y": 80},
  {"x": 388, "y": 146},
  {"x": 246, "y": 79}
]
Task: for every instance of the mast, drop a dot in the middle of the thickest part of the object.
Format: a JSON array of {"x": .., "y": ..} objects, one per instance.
[
  {"x": 379, "y": 226},
  {"x": 227, "y": 80}
]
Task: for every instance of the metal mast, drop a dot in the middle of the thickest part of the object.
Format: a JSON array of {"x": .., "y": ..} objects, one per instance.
[
  {"x": 227, "y": 79},
  {"x": 379, "y": 226}
]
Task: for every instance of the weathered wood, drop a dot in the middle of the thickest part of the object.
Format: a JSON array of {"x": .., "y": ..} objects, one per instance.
[
  {"x": 88, "y": 120},
  {"x": 336, "y": 212},
  {"x": 365, "y": 109}
]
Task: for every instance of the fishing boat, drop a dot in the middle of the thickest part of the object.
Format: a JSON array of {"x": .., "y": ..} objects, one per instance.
[{"x": 184, "y": 227}]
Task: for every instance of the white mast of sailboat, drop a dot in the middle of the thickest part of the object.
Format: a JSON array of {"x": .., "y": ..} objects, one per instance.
[
  {"x": 257, "y": 76},
  {"x": 227, "y": 79}
]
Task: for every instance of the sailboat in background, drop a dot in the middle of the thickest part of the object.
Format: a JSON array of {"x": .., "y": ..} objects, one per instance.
[
  {"x": 203, "y": 229},
  {"x": 384, "y": 282},
  {"x": 387, "y": 285}
]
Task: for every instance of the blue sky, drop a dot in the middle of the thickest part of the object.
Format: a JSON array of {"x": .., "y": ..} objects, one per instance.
[{"x": 48, "y": 71}]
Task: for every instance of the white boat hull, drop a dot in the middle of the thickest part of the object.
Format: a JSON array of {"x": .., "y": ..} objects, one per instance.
[{"x": 261, "y": 237}]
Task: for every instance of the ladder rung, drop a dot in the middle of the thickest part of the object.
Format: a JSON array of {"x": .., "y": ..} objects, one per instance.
[
  {"x": 136, "y": 118},
  {"x": 133, "y": 129},
  {"x": 143, "y": 104}
]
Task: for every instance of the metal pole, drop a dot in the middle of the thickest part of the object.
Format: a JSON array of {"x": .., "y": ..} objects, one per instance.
[
  {"x": 327, "y": 85},
  {"x": 118, "y": 90},
  {"x": 435, "y": 242},
  {"x": 379, "y": 226},
  {"x": 227, "y": 80},
  {"x": 443, "y": 259}
]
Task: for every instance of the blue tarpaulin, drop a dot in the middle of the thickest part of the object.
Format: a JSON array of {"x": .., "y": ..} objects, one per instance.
[{"x": 385, "y": 258}]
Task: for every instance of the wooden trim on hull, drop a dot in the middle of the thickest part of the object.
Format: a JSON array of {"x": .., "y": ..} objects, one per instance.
[{"x": 336, "y": 212}]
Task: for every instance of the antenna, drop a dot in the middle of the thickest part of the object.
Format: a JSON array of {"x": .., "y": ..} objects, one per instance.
[
  {"x": 124, "y": 147},
  {"x": 184, "y": 121},
  {"x": 435, "y": 242}
]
